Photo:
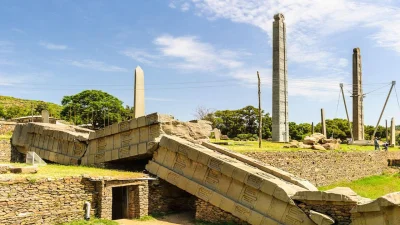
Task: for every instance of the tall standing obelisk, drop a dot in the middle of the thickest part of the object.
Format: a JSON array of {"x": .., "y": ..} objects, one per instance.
[
  {"x": 358, "y": 108},
  {"x": 280, "y": 122},
  {"x": 139, "y": 93}
]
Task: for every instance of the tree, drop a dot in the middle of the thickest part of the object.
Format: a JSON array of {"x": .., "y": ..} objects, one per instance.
[
  {"x": 203, "y": 113},
  {"x": 95, "y": 105}
]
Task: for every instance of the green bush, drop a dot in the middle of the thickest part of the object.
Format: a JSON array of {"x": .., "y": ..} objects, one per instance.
[
  {"x": 398, "y": 139},
  {"x": 236, "y": 139},
  {"x": 252, "y": 139}
]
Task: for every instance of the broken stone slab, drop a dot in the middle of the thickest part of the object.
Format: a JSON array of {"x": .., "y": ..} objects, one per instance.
[
  {"x": 24, "y": 170},
  {"x": 339, "y": 194},
  {"x": 383, "y": 211},
  {"x": 321, "y": 219},
  {"x": 262, "y": 166},
  {"x": 4, "y": 169}
]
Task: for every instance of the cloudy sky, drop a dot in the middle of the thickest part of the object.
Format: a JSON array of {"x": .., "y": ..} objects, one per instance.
[{"x": 201, "y": 52}]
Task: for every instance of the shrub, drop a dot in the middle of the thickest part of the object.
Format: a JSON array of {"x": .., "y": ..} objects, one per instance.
[{"x": 236, "y": 139}]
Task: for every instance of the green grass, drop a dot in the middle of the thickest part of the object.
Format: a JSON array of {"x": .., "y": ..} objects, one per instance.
[
  {"x": 92, "y": 222},
  {"x": 59, "y": 171},
  {"x": 5, "y": 137},
  {"x": 371, "y": 187},
  {"x": 267, "y": 146}
]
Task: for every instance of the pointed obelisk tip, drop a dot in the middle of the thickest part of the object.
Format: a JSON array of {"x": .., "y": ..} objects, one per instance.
[
  {"x": 138, "y": 68},
  {"x": 279, "y": 16},
  {"x": 356, "y": 50}
]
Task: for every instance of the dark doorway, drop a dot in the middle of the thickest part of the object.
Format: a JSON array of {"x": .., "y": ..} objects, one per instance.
[{"x": 119, "y": 203}]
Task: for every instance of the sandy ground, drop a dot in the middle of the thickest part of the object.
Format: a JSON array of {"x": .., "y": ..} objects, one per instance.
[{"x": 182, "y": 219}]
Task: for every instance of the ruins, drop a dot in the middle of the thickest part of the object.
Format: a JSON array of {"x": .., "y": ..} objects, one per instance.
[
  {"x": 358, "y": 97},
  {"x": 280, "y": 121}
]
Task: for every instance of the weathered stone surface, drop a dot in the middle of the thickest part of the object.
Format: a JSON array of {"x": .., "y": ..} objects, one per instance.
[
  {"x": 191, "y": 131},
  {"x": 321, "y": 219},
  {"x": 24, "y": 170},
  {"x": 331, "y": 146},
  {"x": 318, "y": 147},
  {"x": 384, "y": 210},
  {"x": 393, "y": 133},
  {"x": 45, "y": 116},
  {"x": 280, "y": 111},
  {"x": 139, "y": 103},
  {"x": 246, "y": 192},
  {"x": 358, "y": 107}
]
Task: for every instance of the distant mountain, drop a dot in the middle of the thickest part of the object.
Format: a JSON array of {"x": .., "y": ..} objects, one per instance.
[{"x": 11, "y": 107}]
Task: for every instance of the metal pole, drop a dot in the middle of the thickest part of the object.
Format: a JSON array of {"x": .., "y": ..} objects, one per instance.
[
  {"x": 383, "y": 110},
  {"x": 347, "y": 112},
  {"x": 259, "y": 111}
]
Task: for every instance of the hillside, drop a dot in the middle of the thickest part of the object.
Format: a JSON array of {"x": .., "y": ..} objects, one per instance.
[{"x": 11, "y": 107}]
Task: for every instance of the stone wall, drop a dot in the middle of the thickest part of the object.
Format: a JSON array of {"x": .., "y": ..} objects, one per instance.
[
  {"x": 45, "y": 201},
  {"x": 166, "y": 198},
  {"x": 328, "y": 167},
  {"x": 339, "y": 211},
  {"x": 209, "y": 213},
  {"x": 5, "y": 151},
  {"x": 6, "y": 127},
  {"x": 54, "y": 201}
]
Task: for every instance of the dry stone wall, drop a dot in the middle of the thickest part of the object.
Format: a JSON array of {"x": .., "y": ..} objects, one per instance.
[
  {"x": 212, "y": 214},
  {"x": 6, "y": 127},
  {"x": 45, "y": 201},
  {"x": 324, "y": 168},
  {"x": 5, "y": 151},
  {"x": 55, "y": 201}
]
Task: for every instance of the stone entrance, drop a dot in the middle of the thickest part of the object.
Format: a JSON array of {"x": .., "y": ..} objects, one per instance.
[{"x": 120, "y": 202}]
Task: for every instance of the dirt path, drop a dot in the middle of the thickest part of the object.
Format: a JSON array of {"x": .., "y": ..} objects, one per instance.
[{"x": 174, "y": 219}]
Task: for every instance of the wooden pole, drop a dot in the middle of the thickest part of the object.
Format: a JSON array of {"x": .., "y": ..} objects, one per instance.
[
  {"x": 383, "y": 110},
  {"x": 347, "y": 113},
  {"x": 259, "y": 111}
]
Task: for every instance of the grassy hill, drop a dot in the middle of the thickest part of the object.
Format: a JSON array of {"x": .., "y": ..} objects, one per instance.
[{"x": 11, "y": 107}]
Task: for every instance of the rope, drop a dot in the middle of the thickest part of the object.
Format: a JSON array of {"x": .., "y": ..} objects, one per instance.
[{"x": 397, "y": 97}]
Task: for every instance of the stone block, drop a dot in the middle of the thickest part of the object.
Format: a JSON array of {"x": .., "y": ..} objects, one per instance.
[
  {"x": 115, "y": 128},
  {"x": 99, "y": 158},
  {"x": 135, "y": 135},
  {"x": 115, "y": 154},
  {"x": 263, "y": 202},
  {"x": 117, "y": 141},
  {"x": 133, "y": 124},
  {"x": 199, "y": 173},
  {"x": 124, "y": 152},
  {"x": 91, "y": 159},
  {"x": 84, "y": 161},
  {"x": 144, "y": 134},
  {"x": 277, "y": 209},
  {"x": 108, "y": 156},
  {"x": 160, "y": 154},
  {"x": 155, "y": 131},
  {"x": 141, "y": 121},
  {"x": 124, "y": 126},
  {"x": 227, "y": 204},
  {"x": 92, "y": 135},
  {"x": 241, "y": 212},
  {"x": 153, "y": 167},
  {"x": 142, "y": 148},
  {"x": 321, "y": 219},
  {"x": 108, "y": 130},
  {"x": 133, "y": 150},
  {"x": 235, "y": 189},
  {"x": 24, "y": 170}
]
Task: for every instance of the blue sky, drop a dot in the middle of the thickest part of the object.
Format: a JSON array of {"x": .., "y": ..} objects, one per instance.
[{"x": 200, "y": 52}]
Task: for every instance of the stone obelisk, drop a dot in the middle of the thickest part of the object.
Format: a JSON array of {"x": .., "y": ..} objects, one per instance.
[
  {"x": 358, "y": 108},
  {"x": 393, "y": 133},
  {"x": 280, "y": 122},
  {"x": 323, "y": 123},
  {"x": 139, "y": 93}
]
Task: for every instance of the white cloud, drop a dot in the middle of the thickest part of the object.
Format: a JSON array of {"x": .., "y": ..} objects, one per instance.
[
  {"x": 96, "y": 65},
  {"x": 189, "y": 53},
  {"x": 185, "y": 7},
  {"x": 18, "y": 30},
  {"x": 140, "y": 55},
  {"x": 52, "y": 46}
]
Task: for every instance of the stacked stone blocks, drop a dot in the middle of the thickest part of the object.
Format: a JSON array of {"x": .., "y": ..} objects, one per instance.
[{"x": 132, "y": 138}]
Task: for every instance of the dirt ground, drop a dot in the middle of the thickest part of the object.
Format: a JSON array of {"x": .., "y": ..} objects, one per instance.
[{"x": 173, "y": 219}]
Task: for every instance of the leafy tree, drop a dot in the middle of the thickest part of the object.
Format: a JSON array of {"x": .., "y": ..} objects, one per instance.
[
  {"x": 95, "y": 105},
  {"x": 242, "y": 121},
  {"x": 398, "y": 139}
]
